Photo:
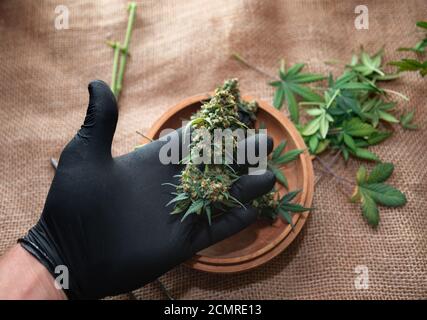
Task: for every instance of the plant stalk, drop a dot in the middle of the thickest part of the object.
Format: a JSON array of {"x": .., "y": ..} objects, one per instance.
[
  {"x": 144, "y": 136},
  {"x": 125, "y": 48},
  {"x": 328, "y": 169},
  {"x": 116, "y": 47},
  {"x": 333, "y": 98},
  {"x": 330, "y": 164},
  {"x": 348, "y": 189},
  {"x": 401, "y": 95},
  {"x": 242, "y": 60}
]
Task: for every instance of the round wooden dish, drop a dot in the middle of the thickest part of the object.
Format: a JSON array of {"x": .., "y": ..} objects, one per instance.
[{"x": 263, "y": 240}]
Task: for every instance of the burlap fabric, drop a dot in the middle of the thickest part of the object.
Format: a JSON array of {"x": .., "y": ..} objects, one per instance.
[{"x": 181, "y": 48}]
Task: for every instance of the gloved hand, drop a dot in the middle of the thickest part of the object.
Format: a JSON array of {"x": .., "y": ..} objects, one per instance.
[{"x": 105, "y": 218}]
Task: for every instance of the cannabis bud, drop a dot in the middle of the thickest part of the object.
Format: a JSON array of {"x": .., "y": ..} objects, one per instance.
[{"x": 205, "y": 187}]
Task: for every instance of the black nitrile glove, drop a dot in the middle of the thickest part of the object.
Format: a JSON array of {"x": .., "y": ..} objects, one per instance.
[{"x": 105, "y": 218}]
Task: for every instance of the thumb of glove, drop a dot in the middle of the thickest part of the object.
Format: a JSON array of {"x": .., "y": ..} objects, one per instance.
[{"x": 93, "y": 140}]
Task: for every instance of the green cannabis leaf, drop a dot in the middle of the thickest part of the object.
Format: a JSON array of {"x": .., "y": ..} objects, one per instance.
[
  {"x": 406, "y": 121},
  {"x": 353, "y": 112},
  {"x": 422, "y": 24},
  {"x": 291, "y": 85},
  {"x": 355, "y": 135},
  {"x": 371, "y": 191},
  {"x": 271, "y": 207},
  {"x": 323, "y": 118},
  {"x": 365, "y": 154},
  {"x": 407, "y": 64},
  {"x": 357, "y": 128},
  {"x": 353, "y": 106},
  {"x": 278, "y": 159},
  {"x": 368, "y": 64},
  {"x": 419, "y": 46},
  {"x": 411, "y": 65},
  {"x": 377, "y": 109}
]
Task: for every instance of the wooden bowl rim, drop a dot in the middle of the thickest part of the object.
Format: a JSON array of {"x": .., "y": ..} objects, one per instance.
[{"x": 211, "y": 264}]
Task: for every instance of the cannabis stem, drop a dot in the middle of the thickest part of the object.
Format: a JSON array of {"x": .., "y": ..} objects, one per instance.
[
  {"x": 121, "y": 52},
  {"x": 242, "y": 60},
  {"x": 144, "y": 136},
  {"x": 125, "y": 47},
  {"x": 330, "y": 164},
  {"x": 116, "y": 47},
  {"x": 348, "y": 192},
  {"x": 401, "y": 95},
  {"x": 327, "y": 168}
]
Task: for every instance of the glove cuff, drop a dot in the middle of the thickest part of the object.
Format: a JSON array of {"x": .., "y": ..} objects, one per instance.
[{"x": 37, "y": 243}]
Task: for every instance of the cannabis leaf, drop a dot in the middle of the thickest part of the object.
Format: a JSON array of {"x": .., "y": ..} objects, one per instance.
[
  {"x": 422, "y": 24},
  {"x": 287, "y": 209},
  {"x": 291, "y": 85},
  {"x": 357, "y": 128},
  {"x": 378, "y": 137},
  {"x": 371, "y": 191},
  {"x": 365, "y": 154},
  {"x": 355, "y": 93},
  {"x": 349, "y": 118},
  {"x": 419, "y": 48},
  {"x": 353, "y": 138},
  {"x": 368, "y": 64},
  {"x": 351, "y": 110},
  {"x": 195, "y": 207},
  {"x": 411, "y": 65},
  {"x": 278, "y": 159},
  {"x": 323, "y": 118},
  {"x": 377, "y": 109},
  {"x": 406, "y": 121},
  {"x": 351, "y": 80},
  {"x": 282, "y": 207},
  {"x": 321, "y": 145}
]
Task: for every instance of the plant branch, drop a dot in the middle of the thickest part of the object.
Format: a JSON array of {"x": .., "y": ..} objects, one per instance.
[
  {"x": 164, "y": 290},
  {"x": 348, "y": 189},
  {"x": 125, "y": 48},
  {"x": 396, "y": 93},
  {"x": 116, "y": 47},
  {"x": 327, "y": 169},
  {"x": 330, "y": 164},
  {"x": 333, "y": 98},
  {"x": 144, "y": 136},
  {"x": 240, "y": 59}
]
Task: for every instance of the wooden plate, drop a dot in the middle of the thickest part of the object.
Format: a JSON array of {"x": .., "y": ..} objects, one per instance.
[{"x": 263, "y": 240}]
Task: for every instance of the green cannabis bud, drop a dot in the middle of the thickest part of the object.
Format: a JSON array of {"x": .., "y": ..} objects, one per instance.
[{"x": 205, "y": 187}]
